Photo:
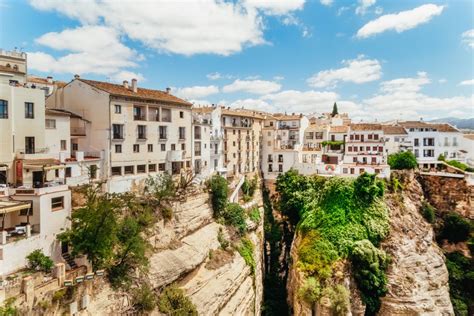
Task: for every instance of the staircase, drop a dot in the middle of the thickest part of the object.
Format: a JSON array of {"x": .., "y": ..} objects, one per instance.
[{"x": 69, "y": 260}]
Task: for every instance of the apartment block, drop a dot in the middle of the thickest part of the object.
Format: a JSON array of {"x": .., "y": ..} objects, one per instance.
[
  {"x": 282, "y": 142},
  {"x": 201, "y": 141},
  {"x": 141, "y": 131},
  {"x": 365, "y": 150},
  {"x": 396, "y": 139}
]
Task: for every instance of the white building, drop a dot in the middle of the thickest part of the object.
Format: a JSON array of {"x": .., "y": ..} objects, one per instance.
[
  {"x": 282, "y": 142},
  {"x": 31, "y": 219},
  {"x": 365, "y": 151},
  {"x": 201, "y": 140},
  {"x": 396, "y": 139},
  {"x": 141, "y": 131}
]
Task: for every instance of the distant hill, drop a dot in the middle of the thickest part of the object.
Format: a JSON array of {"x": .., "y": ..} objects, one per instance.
[{"x": 458, "y": 122}]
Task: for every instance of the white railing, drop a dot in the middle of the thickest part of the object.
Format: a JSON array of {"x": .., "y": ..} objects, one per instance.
[{"x": 234, "y": 197}]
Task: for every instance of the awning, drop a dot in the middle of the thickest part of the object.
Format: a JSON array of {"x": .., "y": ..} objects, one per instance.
[
  {"x": 39, "y": 164},
  {"x": 54, "y": 167},
  {"x": 13, "y": 206}
]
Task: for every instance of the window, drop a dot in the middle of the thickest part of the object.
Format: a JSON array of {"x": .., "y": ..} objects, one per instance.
[
  {"x": 129, "y": 169},
  {"x": 141, "y": 168},
  {"x": 50, "y": 124},
  {"x": 280, "y": 158},
  {"x": 141, "y": 131},
  {"x": 428, "y": 141},
  {"x": 417, "y": 142},
  {"x": 118, "y": 149},
  {"x": 118, "y": 109},
  {"x": 376, "y": 136},
  {"x": 116, "y": 171},
  {"x": 280, "y": 168},
  {"x": 161, "y": 167},
  {"x": 182, "y": 133},
  {"x": 181, "y": 114},
  {"x": 117, "y": 130},
  {"x": 369, "y": 136},
  {"x": 417, "y": 154},
  {"x": 270, "y": 168},
  {"x": 173, "y": 146},
  {"x": 163, "y": 147},
  {"x": 75, "y": 146},
  {"x": 29, "y": 110},
  {"x": 29, "y": 145},
  {"x": 428, "y": 153},
  {"x": 63, "y": 144},
  {"x": 68, "y": 172},
  {"x": 165, "y": 115},
  {"x": 3, "y": 109},
  {"x": 138, "y": 114},
  {"x": 136, "y": 148},
  {"x": 57, "y": 203},
  {"x": 93, "y": 172},
  {"x": 150, "y": 148},
  {"x": 152, "y": 167},
  {"x": 183, "y": 146},
  {"x": 162, "y": 132}
]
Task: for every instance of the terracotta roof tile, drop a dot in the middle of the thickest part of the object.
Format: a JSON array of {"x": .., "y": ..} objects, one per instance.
[
  {"x": 469, "y": 136},
  {"x": 441, "y": 127},
  {"x": 393, "y": 130},
  {"x": 142, "y": 93},
  {"x": 242, "y": 112},
  {"x": 339, "y": 129},
  {"x": 366, "y": 127}
]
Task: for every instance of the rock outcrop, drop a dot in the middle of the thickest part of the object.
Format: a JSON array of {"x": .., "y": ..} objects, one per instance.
[{"x": 417, "y": 276}]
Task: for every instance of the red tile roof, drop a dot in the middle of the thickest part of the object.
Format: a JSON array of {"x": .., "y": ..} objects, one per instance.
[
  {"x": 393, "y": 130},
  {"x": 142, "y": 93},
  {"x": 338, "y": 129},
  {"x": 366, "y": 127}
]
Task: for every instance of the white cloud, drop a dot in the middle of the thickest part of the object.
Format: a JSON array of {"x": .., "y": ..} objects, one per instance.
[
  {"x": 326, "y": 2},
  {"x": 218, "y": 75},
  {"x": 361, "y": 9},
  {"x": 195, "y": 92},
  {"x": 181, "y": 27},
  {"x": 403, "y": 99},
  {"x": 359, "y": 70},
  {"x": 442, "y": 80},
  {"x": 254, "y": 104},
  {"x": 252, "y": 86},
  {"x": 276, "y": 7},
  {"x": 126, "y": 75},
  {"x": 468, "y": 38},
  {"x": 89, "y": 50},
  {"x": 278, "y": 78},
  {"x": 401, "y": 21},
  {"x": 467, "y": 82},
  {"x": 301, "y": 101}
]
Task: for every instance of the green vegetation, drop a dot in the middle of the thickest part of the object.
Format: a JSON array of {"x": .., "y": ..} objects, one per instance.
[
  {"x": 173, "y": 301},
  {"x": 246, "y": 249},
  {"x": 334, "y": 110},
  {"x": 8, "y": 309},
  {"x": 254, "y": 215},
  {"x": 159, "y": 191},
  {"x": 219, "y": 193},
  {"x": 332, "y": 143},
  {"x": 110, "y": 230},
  {"x": 249, "y": 187},
  {"x": 461, "y": 283},
  {"x": 369, "y": 264},
  {"x": 402, "y": 160},
  {"x": 455, "y": 228},
  {"x": 143, "y": 298},
  {"x": 459, "y": 165},
  {"x": 39, "y": 262},
  {"x": 310, "y": 292},
  {"x": 223, "y": 242},
  {"x": 234, "y": 215},
  {"x": 339, "y": 297},
  {"x": 339, "y": 218},
  {"x": 428, "y": 212}
]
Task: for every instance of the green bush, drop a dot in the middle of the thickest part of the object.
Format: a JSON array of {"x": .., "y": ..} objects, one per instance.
[
  {"x": 369, "y": 265},
  {"x": 173, "y": 301},
  {"x": 219, "y": 193},
  {"x": 339, "y": 297},
  {"x": 223, "y": 242},
  {"x": 144, "y": 298},
  {"x": 367, "y": 188},
  {"x": 8, "y": 309},
  {"x": 249, "y": 186},
  {"x": 310, "y": 292},
  {"x": 455, "y": 228},
  {"x": 160, "y": 188},
  {"x": 402, "y": 160},
  {"x": 316, "y": 255},
  {"x": 461, "y": 282},
  {"x": 39, "y": 262},
  {"x": 254, "y": 215},
  {"x": 428, "y": 212},
  {"x": 234, "y": 215},
  {"x": 246, "y": 249}
]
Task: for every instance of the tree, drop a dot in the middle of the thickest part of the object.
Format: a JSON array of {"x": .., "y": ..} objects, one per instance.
[
  {"x": 160, "y": 188},
  {"x": 455, "y": 228},
  {"x": 143, "y": 298},
  {"x": 38, "y": 261},
  {"x": 219, "y": 193},
  {"x": 402, "y": 160},
  {"x": 173, "y": 301},
  {"x": 367, "y": 188},
  {"x": 291, "y": 185},
  {"x": 334, "y": 110},
  {"x": 234, "y": 215}
]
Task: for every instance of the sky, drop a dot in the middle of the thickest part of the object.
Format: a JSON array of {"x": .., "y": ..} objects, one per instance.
[{"x": 379, "y": 60}]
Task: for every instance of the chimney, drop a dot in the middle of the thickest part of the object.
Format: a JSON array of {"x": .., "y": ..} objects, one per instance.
[
  {"x": 134, "y": 85},
  {"x": 77, "y": 76},
  {"x": 49, "y": 79},
  {"x": 168, "y": 90},
  {"x": 125, "y": 84}
]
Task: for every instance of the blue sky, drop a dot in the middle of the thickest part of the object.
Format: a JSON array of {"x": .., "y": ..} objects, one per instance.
[{"x": 378, "y": 59}]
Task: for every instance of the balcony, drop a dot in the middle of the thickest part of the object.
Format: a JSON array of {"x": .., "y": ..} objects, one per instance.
[
  {"x": 117, "y": 136},
  {"x": 78, "y": 131},
  {"x": 139, "y": 117},
  {"x": 33, "y": 153}
]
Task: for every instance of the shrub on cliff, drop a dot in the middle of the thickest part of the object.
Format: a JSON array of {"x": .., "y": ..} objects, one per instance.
[
  {"x": 144, "y": 298},
  {"x": 246, "y": 249},
  {"x": 234, "y": 215},
  {"x": 219, "y": 193},
  {"x": 249, "y": 186},
  {"x": 461, "y": 282},
  {"x": 402, "y": 160},
  {"x": 291, "y": 185},
  {"x": 455, "y": 228},
  {"x": 339, "y": 297},
  {"x": 428, "y": 212},
  {"x": 367, "y": 188},
  {"x": 38, "y": 261},
  {"x": 310, "y": 292},
  {"x": 173, "y": 301}
]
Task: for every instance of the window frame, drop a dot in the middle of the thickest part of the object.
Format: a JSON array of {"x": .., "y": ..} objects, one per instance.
[
  {"x": 57, "y": 203},
  {"x": 29, "y": 114}
]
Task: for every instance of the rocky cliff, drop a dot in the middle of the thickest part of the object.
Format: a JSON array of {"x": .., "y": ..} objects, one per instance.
[{"x": 187, "y": 252}]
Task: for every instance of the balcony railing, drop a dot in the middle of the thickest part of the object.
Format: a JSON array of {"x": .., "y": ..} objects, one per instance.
[
  {"x": 33, "y": 151},
  {"x": 197, "y": 153},
  {"x": 117, "y": 136},
  {"x": 139, "y": 117}
]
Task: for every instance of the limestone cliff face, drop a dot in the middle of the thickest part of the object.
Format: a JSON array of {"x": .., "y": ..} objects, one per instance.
[
  {"x": 417, "y": 276},
  {"x": 183, "y": 248}
]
